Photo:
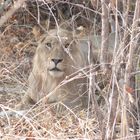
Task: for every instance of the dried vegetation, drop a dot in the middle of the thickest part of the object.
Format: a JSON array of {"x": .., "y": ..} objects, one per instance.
[{"x": 114, "y": 110}]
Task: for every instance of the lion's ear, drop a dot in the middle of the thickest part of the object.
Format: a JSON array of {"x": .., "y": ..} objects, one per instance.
[{"x": 37, "y": 32}]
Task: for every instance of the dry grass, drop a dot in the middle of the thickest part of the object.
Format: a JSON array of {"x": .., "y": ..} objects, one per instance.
[{"x": 17, "y": 47}]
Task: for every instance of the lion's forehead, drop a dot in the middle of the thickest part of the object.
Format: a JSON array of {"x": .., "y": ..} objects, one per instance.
[
  {"x": 54, "y": 40},
  {"x": 57, "y": 36}
]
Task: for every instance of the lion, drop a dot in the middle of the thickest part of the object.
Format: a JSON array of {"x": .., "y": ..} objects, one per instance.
[
  {"x": 57, "y": 75},
  {"x": 61, "y": 67}
]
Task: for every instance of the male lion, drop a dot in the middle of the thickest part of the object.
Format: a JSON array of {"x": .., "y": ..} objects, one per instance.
[{"x": 57, "y": 73}]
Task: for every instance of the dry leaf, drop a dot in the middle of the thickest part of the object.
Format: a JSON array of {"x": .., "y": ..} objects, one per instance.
[{"x": 129, "y": 89}]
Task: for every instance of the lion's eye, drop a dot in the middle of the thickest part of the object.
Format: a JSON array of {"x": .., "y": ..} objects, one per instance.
[
  {"x": 49, "y": 45},
  {"x": 67, "y": 45}
]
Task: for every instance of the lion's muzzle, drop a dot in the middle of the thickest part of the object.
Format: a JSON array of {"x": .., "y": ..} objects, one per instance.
[
  {"x": 55, "y": 68},
  {"x": 56, "y": 61}
]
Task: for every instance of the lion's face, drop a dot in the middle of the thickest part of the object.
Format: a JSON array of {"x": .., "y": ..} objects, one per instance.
[{"x": 61, "y": 53}]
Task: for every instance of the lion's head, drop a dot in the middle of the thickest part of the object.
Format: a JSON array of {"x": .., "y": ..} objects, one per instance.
[{"x": 59, "y": 53}]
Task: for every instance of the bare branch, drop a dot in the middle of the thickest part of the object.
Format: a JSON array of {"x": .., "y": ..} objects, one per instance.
[
  {"x": 105, "y": 32},
  {"x": 129, "y": 80},
  {"x": 11, "y": 11},
  {"x": 4, "y": 5}
]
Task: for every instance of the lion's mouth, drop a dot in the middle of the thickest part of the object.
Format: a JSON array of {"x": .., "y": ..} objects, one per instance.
[
  {"x": 56, "y": 69},
  {"x": 56, "y": 72}
]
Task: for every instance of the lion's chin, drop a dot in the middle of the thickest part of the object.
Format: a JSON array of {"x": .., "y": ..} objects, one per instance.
[{"x": 56, "y": 74}]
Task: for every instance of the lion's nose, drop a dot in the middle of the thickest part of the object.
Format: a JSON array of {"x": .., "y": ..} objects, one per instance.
[{"x": 56, "y": 61}]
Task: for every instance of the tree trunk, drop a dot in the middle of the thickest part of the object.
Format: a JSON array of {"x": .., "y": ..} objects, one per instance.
[
  {"x": 129, "y": 79},
  {"x": 105, "y": 33}
]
